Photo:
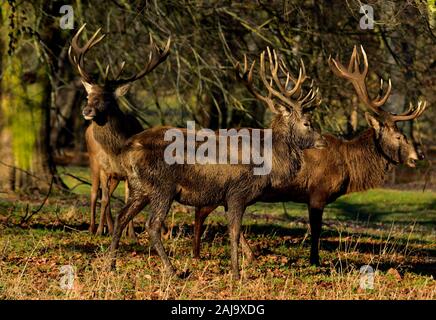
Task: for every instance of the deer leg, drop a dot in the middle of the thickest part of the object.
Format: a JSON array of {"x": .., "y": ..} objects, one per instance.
[
  {"x": 113, "y": 183},
  {"x": 200, "y": 216},
  {"x": 104, "y": 201},
  {"x": 234, "y": 216},
  {"x": 130, "y": 231},
  {"x": 95, "y": 184},
  {"x": 130, "y": 210},
  {"x": 246, "y": 249},
  {"x": 158, "y": 210},
  {"x": 315, "y": 218}
]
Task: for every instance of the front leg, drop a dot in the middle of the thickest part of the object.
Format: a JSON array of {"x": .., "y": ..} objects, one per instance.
[
  {"x": 130, "y": 210},
  {"x": 315, "y": 218},
  {"x": 113, "y": 183},
  {"x": 105, "y": 181},
  {"x": 234, "y": 215},
  {"x": 200, "y": 216}
]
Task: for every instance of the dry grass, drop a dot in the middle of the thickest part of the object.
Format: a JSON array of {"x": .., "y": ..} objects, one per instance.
[{"x": 403, "y": 256}]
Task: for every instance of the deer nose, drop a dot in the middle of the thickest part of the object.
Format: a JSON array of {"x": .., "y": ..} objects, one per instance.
[
  {"x": 421, "y": 155},
  {"x": 88, "y": 113},
  {"x": 411, "y": 161}
]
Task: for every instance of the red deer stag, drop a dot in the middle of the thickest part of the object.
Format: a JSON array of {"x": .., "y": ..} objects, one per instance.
[
  {"x": 155, "y": 182},
  {"x": 344, "y": 166},
  {"x": 110, "y": 127}
]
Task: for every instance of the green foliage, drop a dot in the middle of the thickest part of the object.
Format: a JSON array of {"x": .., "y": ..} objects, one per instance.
[{"x": 21, "y": 106}]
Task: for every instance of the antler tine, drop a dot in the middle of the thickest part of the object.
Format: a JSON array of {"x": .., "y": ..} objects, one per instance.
[
  {"x": 365, "y": 61},
  {"x": 120, "y": 70},
  {"x": 358, "y": 78},
  {"x": 274, "y": 67},
  {"x": 106, "y": 72},
  {"x": 88, "y": 45},
  {"x": 301, "y": 78},
  {"x": 284, "y": 69},
  {"x": 309, "y": 99},
  {"x": 77, "y": 53},
  {"x": 410, "y": 115},
  {"x": 422, "y": 109},
  {"x": 155, "y": 57},
  {"x": 288, "y": 102},
  {"x": 247, "y": 79},
  {"x": 287, "y": 97}
]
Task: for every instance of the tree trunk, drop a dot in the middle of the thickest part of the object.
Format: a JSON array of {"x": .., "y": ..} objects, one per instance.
[{"x": 25, "y": 103}]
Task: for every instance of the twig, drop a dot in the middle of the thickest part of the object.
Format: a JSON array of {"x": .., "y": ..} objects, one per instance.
[
  {"x": 25, "y": 219},
  {"x": 89, "y": 184}
]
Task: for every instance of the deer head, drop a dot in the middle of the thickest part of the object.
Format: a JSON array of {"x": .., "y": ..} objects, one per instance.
[
  {"x": 290, "y": 106},
  {"x": 101, "y": 97},
  {"x": 391, "y": 141}
]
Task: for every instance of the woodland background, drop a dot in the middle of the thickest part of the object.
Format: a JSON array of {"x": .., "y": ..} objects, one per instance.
[
  {"x": 41, "y": 97},
  {"x": 44, "y": 178}
]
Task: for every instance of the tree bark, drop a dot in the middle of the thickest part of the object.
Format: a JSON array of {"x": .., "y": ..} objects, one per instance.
[{"x": 26, "y": 103}]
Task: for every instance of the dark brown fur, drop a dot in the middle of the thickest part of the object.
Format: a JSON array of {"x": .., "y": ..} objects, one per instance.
[
  {"x": 343, "y": 167},
  {"x": 153, "y": 181}
]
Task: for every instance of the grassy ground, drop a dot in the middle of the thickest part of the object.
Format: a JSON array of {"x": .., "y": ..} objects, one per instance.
[{"x": 392, "y": 231}]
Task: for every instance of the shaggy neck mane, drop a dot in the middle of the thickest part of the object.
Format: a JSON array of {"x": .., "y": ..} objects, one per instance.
[
  {"x": 111, "y": 135},
  {"x": 367, "y": 165},
  {"x": 286, "y": 155}
]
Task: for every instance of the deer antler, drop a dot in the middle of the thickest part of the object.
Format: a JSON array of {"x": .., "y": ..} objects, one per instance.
[
  {"x": 77, "y": 57},
  {"x": 246, "y": 76},
  {"x": 358, "y": 80},
  {"x": 290, "y": 98},
  {"x": 411, "y": 114},
  {"x": 77, "y": 53},
  {"x": 155, "y": 57}
]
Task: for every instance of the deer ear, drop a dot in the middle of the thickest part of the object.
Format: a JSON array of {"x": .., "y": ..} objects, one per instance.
[
  {"x": 88, "y": 86},
  {"x": 373, "y": 122},
  {"x": 122, "y": 90}
]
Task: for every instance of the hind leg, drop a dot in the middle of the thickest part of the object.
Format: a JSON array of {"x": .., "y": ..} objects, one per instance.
[
  {"x": 159, "y": 208},
  {"x": 130, "y": 231}
]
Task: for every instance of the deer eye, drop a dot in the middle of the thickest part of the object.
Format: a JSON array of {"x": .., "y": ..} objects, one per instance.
[{"x": 398, "y": 137}]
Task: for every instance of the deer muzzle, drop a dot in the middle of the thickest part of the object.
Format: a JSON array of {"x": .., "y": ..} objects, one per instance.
[
  {"x": 88, "y": 113},
  {"x": 411, "y": 162}
]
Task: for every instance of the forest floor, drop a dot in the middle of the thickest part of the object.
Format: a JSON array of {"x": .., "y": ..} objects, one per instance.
[{"x": 390, "y": 230}]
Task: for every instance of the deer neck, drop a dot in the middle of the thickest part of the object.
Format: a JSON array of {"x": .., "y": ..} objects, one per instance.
[
  {"x": 111, "y": 133},
  {"x": 286, "y": 154},
  {"x": 367, "y": 165}
]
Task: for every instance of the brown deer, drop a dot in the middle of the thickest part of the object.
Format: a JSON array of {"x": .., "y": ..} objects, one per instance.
[
  {"x": 99, "y": 177},
  {"x": 110, "y": 127},
  {"x": 344, "y": 166},
  {"x": 155, "y": 182}
]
